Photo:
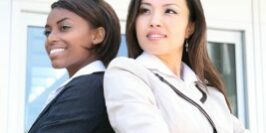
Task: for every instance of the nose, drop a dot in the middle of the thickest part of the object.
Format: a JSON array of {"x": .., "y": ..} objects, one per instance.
[
  {"x": 155, "y": 20},
  {"x": 53, "y": 36}
]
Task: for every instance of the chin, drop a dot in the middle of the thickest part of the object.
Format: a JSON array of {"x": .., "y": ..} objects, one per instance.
[
  {"x": 57, "y": 66},
  {"x": 155, "y": 52}
]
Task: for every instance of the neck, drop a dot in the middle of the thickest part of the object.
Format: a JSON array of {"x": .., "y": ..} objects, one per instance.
[{"x": 74, "y": 68}]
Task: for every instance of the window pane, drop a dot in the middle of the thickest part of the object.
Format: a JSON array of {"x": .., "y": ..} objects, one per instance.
[
  {"x": 123, "y": 47},
  {"x": 223, "y": 57}
]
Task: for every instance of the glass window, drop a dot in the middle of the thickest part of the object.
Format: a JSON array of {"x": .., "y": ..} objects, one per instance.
[
  {"x": 123, "y": 47},
  {"x": 223, "y": 57}
]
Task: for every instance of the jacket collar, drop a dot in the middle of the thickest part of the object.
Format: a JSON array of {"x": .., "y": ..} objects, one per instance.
[
  {"x": 95, "y": 66},
  {"x": 153, "y": 63}
]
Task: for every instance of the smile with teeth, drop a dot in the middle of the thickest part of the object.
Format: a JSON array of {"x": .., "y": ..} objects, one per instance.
[
  {"x": 57, "y": 50},
  {"x": 155, "y": 36}
]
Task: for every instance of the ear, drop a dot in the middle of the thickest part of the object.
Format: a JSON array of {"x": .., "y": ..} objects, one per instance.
[
  {"x": 98, "y": 36},
  {"x": 190, "y": 29}
]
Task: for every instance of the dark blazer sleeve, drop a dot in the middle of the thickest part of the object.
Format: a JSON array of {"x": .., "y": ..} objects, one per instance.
[{"x": 79, "y": 108}]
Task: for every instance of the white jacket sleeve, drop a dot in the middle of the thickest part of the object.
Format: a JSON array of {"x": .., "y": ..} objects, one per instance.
[{"x": 130, "y": 102}]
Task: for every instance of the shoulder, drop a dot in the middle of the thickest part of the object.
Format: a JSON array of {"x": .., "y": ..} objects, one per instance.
[
  {"x": 217, "y": 97},
  {"x": 123, "y": 65},
  {"x": 213, "y": 92},
  {"x": 127, "y": 77},
  {"x": 84, "y": 93},
  {"x": 79, "y": 104},
  {"x": 122, "y": 62},
  {"x": 90, "y": 79},
  {"x": 128, "y": 70},
  {"x": 85, "y": 87}
]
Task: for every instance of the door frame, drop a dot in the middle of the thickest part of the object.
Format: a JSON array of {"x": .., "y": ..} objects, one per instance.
[{"x": 24, "y": 14}]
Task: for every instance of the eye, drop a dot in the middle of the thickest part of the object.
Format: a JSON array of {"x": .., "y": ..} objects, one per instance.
[
  {"x": 170, "y": 11},
  {"x": 144, "y": 10},
  {"x": 64, "y": 28},
  {"x": 46, "y": 32}
]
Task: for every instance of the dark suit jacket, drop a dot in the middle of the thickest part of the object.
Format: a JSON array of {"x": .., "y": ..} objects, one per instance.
[{"x": 78, "y": 108}]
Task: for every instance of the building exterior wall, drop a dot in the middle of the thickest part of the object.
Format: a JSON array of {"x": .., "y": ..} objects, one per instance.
[
  {"x": 5, "y": 16},
  {"x": 244, "y": 16},
  {"x": 262, "y": 11}
]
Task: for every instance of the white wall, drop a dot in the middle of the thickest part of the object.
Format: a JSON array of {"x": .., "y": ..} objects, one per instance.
[
  {"x": 121, "y": 10},
  {"x": 228, "y": 10},
  {"x": 259, "y": 59},
  {"x": 263, "y": 43},
  {"x": 5, "y": 17}
]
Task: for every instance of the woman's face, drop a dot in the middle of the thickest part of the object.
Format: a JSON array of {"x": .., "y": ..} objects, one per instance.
[
  {"x": 69, "y": 40},
  {"x": 162, "y": 26}
]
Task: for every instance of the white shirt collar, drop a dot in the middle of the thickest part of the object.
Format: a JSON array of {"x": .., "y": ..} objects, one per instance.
[
  {"x": 95, "y": 66},
  {"x": 155, "y": 64}
]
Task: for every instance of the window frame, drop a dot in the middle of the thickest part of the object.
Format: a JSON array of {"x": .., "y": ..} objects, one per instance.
[{"x": 234, "y": 38}]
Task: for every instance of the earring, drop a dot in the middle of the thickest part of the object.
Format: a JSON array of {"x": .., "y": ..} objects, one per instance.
[{"x": 186, "y": 45}]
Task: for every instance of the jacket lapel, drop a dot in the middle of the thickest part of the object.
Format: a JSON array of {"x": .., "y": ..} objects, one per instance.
[{"x": 46, "y": 109}]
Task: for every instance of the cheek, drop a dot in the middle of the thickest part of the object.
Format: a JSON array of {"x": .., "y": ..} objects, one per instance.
[
  {"x": 140, "y": 26},
  {"x": 82, "y": 38},
  {"x": 179, "y": 33},
  {"x": 85, "y": 42},
  {"x": 140, "y": 31}
]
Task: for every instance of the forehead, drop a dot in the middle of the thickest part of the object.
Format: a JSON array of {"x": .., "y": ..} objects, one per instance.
[
  {"x": 60, "y": 13},
  {"x": 165, "y": 2}
]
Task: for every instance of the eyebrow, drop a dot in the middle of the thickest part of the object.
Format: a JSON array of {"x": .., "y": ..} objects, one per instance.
[
  {"x": 144, "y": 3},
  {"x": 59, "y": 21},
  {"x": 149, "y": 4},
  {"x": 171, "y": 5}
]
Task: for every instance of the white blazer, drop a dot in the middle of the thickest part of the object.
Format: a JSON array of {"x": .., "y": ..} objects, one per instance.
[{"x": 138, "y": 102}]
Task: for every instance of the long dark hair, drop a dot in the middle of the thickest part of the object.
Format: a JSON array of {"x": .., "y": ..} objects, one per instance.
[
  {"x": 97, "y": 13},
  {"x": 197, "y": 57}
]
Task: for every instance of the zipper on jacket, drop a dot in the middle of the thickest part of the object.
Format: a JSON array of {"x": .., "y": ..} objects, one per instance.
[{"x": 179, "y": 93}]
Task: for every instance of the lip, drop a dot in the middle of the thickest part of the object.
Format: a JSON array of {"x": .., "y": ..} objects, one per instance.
[{"x": 155, "y": 35}]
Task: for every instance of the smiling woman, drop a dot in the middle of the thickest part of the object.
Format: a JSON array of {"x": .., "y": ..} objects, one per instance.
[
  {"x": 70, "y": 40},
  {"x": 169, "y": 85},
  {"x": 80, "y": 40}
]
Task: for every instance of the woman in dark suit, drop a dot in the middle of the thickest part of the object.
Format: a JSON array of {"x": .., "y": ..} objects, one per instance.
[{"x": 82, "y": 36}]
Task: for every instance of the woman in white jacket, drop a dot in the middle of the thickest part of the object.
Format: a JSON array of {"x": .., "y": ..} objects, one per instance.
[{"x": 170, "y": 85}]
